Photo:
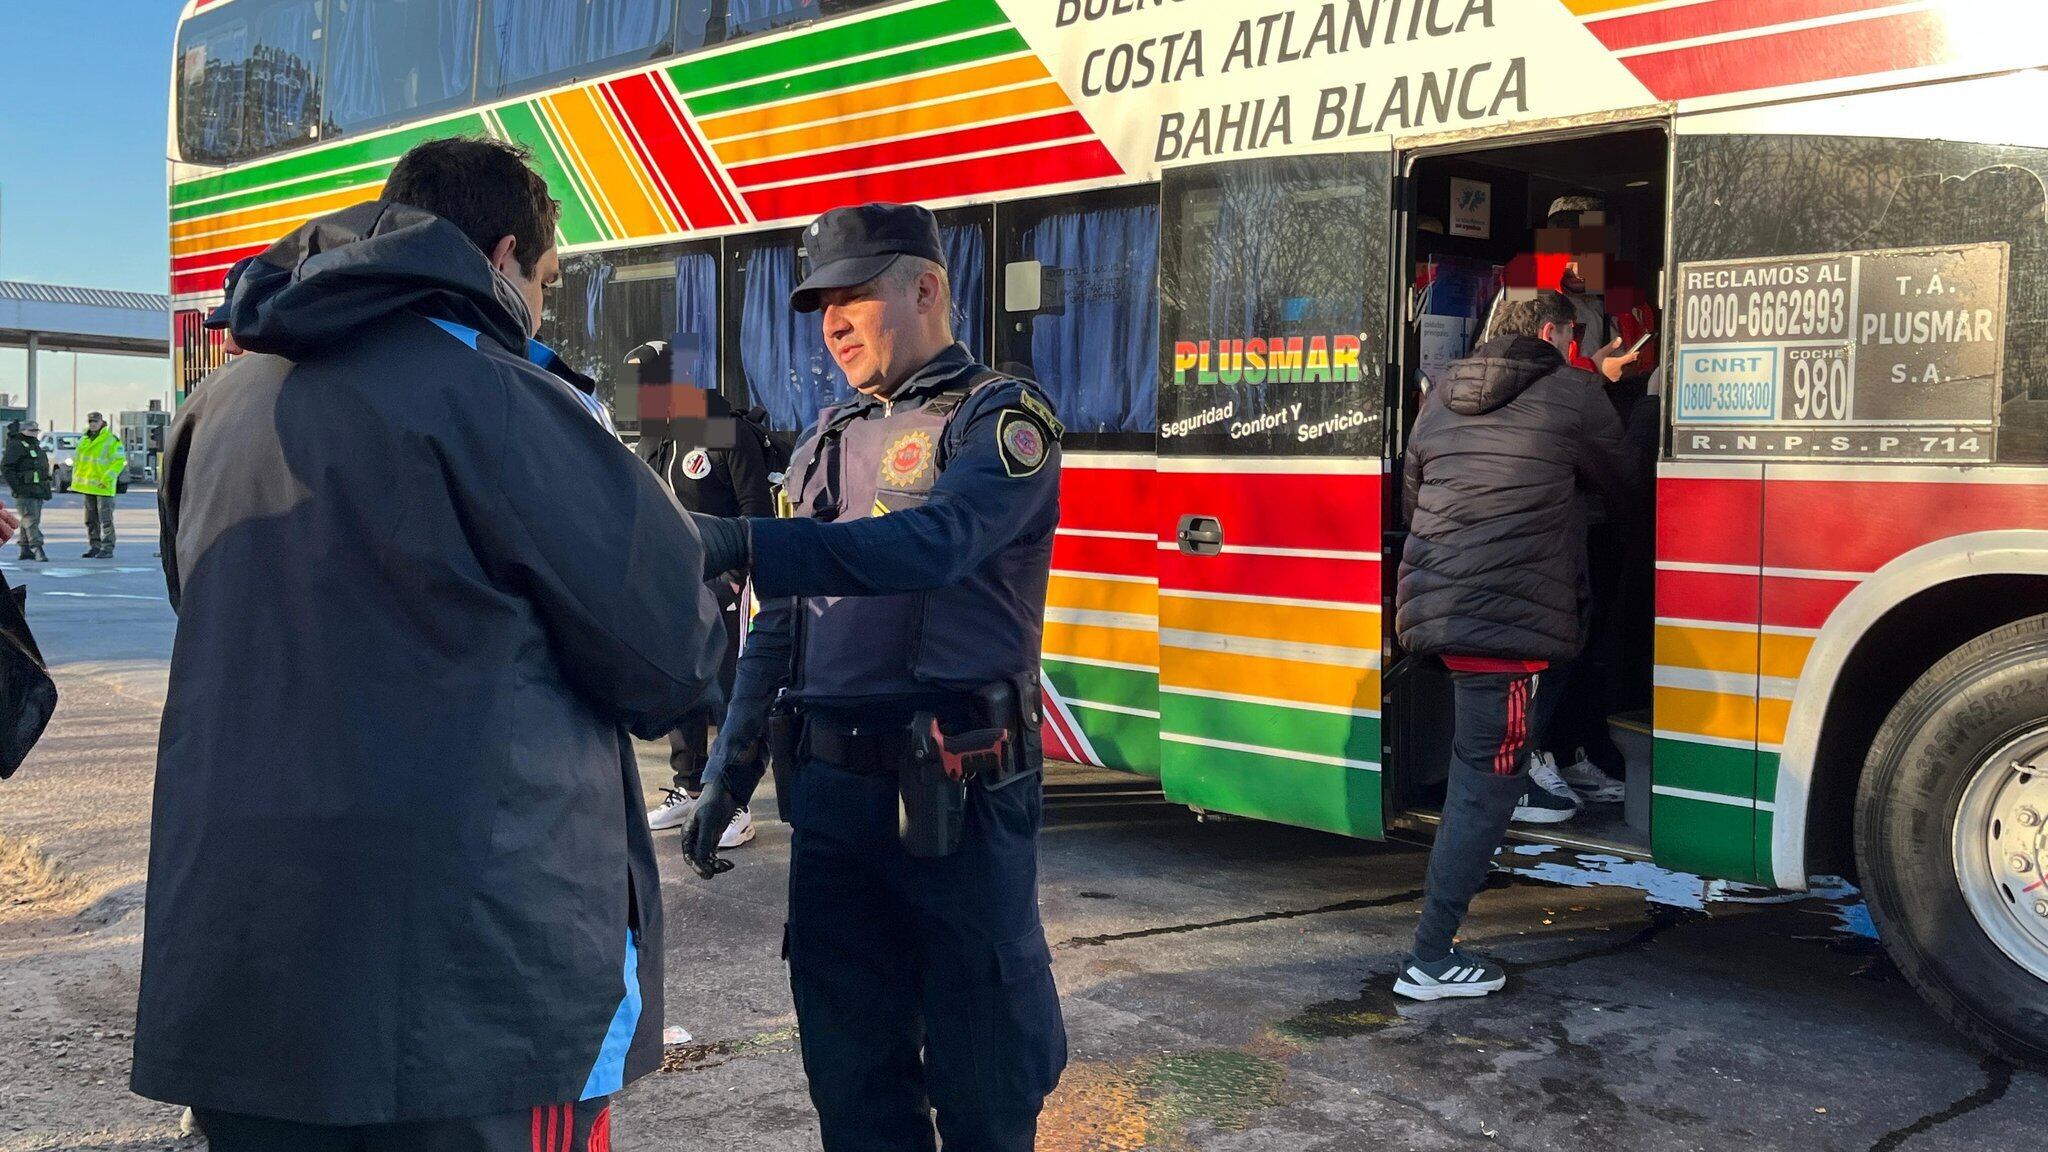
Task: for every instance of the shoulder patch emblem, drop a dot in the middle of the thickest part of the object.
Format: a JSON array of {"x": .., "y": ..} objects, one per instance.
[
  {"x": 1022, "y": 441},
  {"x": 1040, "y": 409},
  {"x": 907, "y": 459},
  {"x": 697, "y": 464}
]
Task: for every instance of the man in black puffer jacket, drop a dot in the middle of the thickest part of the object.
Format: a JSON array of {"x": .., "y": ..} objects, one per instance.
[{"x": 1493, "y": 581}]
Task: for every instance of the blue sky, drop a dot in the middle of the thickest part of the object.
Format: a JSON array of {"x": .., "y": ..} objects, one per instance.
[{"x": 84, "y": 86}]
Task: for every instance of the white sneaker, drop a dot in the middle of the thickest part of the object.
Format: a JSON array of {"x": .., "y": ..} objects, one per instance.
[
  {"x": 673, "y": 811},
  {"x": 739, "y": 831},
  {"x": 1543, "y": 773},
  {"x": 1593, "y": 785}
]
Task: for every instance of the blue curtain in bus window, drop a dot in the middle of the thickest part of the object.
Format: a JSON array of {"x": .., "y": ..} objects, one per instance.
[
  {"x": 533, "y": 38},
  {"x": 696, "y": 335},
  {"x": 744, "y": 16},
  {"x": 967, "y": 267},
  {"x": 1098, "y": 355},
  {"x": 782, "y": 352},
  {"x": 617, "y": 29},
  {"x": 389, "y": 58}
]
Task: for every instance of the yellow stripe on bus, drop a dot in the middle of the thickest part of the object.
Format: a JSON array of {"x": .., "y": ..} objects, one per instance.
[
  {"x": 902, "y": 122},
  {"x": 1690, "y": 711},
  {"x": 1594, "y": 7},
  {"x": 275, "y": 216},
  {"x": 1094, "y": 642},
  {"x": 595, "y": 134},
  {"x": 1272, "y": 678},
  {"x": 938, "y": 86},
  {"x": 1743, "y": 653},
  {"x": 1102, "y": 595},
  {"x": 1293, "y": 622}
]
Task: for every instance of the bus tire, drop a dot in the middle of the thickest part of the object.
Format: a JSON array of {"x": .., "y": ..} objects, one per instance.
[{"x": 1941, "y": 824}]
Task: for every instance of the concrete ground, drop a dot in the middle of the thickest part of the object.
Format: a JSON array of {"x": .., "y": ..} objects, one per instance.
[{"x": 1224, "y": 984}]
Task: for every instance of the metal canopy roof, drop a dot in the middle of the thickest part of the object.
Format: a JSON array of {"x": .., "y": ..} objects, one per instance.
[{"x": 65, "y": 319}]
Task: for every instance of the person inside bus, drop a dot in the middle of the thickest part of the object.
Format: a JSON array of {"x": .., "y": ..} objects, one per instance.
[{"x": 1493, "y": 581}]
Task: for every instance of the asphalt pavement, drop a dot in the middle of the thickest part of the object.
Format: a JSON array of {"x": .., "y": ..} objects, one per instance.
[{"x": 1224, "y": 984}]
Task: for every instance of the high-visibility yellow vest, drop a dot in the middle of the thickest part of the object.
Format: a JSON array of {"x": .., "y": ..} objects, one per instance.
[{"x": 97, "y": 465}]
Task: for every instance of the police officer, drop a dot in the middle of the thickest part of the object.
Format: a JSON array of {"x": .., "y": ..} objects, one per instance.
[
  {"x": 715, "y": 467},
  {"x": 902, "y": 606}
]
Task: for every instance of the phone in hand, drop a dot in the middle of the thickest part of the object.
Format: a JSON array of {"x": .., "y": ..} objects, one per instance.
[{"x": 1645, "y": 338}]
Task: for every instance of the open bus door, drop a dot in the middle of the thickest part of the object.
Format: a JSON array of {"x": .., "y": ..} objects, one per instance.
[{"x": 1273, "y": 318}]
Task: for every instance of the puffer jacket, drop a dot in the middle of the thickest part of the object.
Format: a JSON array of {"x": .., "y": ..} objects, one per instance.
[{"x": 1497, "y": 466}]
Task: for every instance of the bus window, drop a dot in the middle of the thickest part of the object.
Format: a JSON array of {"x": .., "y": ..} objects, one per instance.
[
  {"x": 395, "y": 59},
  {"x": 1078, "y": 310},
  {"x": 1272, "y": 305},
  {"x": 607, "y": 305},
  {"x": 713, "y": 21},
  {"x": 532, "y": 44},
  {"x": 778, "y": 356},
  {"x": 248, "y": 80}
]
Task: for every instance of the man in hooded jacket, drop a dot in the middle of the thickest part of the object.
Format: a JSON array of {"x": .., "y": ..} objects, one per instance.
[
  {"x": 401, "y": 893},
  {"x": 1494, "y": 582}
]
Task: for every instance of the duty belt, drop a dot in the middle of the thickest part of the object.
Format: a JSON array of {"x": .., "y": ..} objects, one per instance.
[{"x": 863, "y": 753}]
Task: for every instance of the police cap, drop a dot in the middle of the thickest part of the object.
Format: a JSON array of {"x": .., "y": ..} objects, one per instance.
[
  {"x": 851, "y": 246},
  {"x": 218, "y": 318}
]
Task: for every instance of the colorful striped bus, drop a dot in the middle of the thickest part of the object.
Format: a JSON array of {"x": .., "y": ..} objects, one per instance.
[{"x": 1235, "y": 240}]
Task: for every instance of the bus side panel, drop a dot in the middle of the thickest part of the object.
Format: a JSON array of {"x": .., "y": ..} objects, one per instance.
[
  {"x": 1101, "y": 650},
  {"x": 1704, "y": 803},
  {"x": 1270, "y": 689}
]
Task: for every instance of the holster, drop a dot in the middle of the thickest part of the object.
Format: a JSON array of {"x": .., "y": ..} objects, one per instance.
[
  {"x": 992, "y": 748},
  {"x": 785, "y": 752}
]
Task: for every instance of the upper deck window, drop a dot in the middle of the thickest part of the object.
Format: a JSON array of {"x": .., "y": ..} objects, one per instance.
[
  {"x": 249, "y": 79},
  {"x": 533, "y": 44},
  {"x": 391, "y": 60}
]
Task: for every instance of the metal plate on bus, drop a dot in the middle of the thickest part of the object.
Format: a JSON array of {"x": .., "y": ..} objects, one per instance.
[{"x": 1886, "y": 355}]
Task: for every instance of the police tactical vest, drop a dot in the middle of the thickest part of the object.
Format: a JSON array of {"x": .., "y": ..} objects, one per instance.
[{"x": 958, "y": 638}]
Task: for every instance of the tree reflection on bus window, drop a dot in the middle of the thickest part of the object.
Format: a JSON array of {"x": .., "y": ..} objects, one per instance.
[
  {"x": 249, "y": 80},
  {"x": 393, "y": 59},
  {"x": 1752, "y": 196}
]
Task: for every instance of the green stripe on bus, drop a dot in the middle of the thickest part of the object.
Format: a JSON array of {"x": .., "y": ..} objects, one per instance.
[
  {"x": 1121, "y": 739},
  {"x": 1762, "y": 867},
  {"x": 1119, "y": 686},
  {"x": 1322, "y": 796},
  {"x": 837, "y": 41},
  {"x": 1272, "y": 726},
  {"x": 1766, "y": 775},
  {"x": 1705, "y": 767},
  {"x": 372, "y": 149},
  {"x": 998, "y": 43},
  {"x": 523, "y": 124},
  {"x": 1714, "y": 840},
  {"x": 312, "y": 186}
]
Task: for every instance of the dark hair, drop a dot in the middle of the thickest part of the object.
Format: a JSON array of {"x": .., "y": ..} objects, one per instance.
[
  {"x": 487, "y": 188},
  {"x": 1527, "y": 317}
]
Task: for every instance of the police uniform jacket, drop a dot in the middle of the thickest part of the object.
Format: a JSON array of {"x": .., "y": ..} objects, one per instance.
[{"x": 399, "y": 860}]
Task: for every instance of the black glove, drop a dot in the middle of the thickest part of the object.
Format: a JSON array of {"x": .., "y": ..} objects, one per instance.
[
  {"x": 728, "y": 546},
  {"x": 707, "y": 822}
]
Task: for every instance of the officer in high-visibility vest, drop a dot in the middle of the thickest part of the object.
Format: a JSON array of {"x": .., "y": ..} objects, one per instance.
[
  {"x": 902, "y": 607},
  {"x": 96, "y": 470}
]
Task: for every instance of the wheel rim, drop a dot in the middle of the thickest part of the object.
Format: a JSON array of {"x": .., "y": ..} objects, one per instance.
[{"x": 2001, "y": 849}]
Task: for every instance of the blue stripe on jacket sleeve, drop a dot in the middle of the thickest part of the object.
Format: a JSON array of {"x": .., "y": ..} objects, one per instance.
[{"x": 608, "y": 1075}]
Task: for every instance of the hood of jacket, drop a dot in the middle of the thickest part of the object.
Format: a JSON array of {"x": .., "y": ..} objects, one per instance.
[
  {"x": 322, "y": 283},
  {"x": 1497, "y": 372}
]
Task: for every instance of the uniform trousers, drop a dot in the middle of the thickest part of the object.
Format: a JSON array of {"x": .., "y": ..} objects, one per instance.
[
  {"x": 1487, "y": 778},
  {"x": 99, "y": 522},
  {"x": 31, "y": 536},
  {"x": 581, "y": 1127},
  {"x": 921, "y": 985}
]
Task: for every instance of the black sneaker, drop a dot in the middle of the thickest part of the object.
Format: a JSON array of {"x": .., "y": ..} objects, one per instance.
[{"x": 1455, "y": 975}]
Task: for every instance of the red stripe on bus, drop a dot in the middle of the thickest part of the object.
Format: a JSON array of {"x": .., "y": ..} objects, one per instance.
[
  {"x": 1038, "y": 130},
  {"x": 1802, "y": 603},
  {"x": 1060, "y": 164},
  {"x": 642, "y": 138},
  {"x": 206, "y": 273},
  {"x": 702, "y": 151},
  {"x": 219, "y": 258},
  {"x": 1830, "y": 52},
  {"x": 1106, "y": 499},
  {"x": 1325, "y": 511},
  {"x": 1717, "y": 17},
  {"x": 1109, "y": 557},
  {"x": 1862, "y": 525},
  {"x": 1709, "y": 521},
  {"x": 1338, "y": 581},
  {"x": 669, "y": 153},
  {"x": 1728, "y": 598}
]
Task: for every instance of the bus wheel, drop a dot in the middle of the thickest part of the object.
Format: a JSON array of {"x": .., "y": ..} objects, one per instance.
[{"x": 1952, "y": 838}]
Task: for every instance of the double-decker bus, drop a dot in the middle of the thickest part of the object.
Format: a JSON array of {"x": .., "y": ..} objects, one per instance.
[{"x": 1234, "y": 240}]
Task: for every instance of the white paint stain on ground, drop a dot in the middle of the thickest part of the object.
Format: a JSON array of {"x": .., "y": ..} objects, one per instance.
[{"x": 1830, "y": 896}]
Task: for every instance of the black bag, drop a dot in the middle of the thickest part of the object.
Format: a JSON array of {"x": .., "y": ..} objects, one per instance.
[
  {"x": 27, "y": 694},
  {"x": 776, "y": 447}
]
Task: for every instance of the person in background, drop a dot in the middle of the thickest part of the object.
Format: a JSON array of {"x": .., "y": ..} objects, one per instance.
[
  {"x": 217, "y": 320},
  {"x": 1493, "y": 582},
  {"x": 96, "y": 470},
  {"x": 714, "y": 478},
  {"x": 26, "y": 466}
]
